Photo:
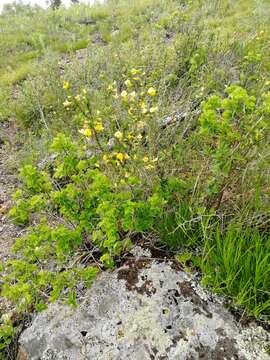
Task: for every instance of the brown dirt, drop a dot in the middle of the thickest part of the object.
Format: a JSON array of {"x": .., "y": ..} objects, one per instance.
[{"x": 8, "y": 231}]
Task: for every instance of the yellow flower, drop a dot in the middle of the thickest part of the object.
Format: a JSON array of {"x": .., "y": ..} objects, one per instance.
[
  {"x": 120, "y": 157},
  {"x": 118, "y": 135},
  {"x": 124, "y": 94},
  {"x": 130, "y": 136},
  {"x": 66, "y": 85},
  {"x": 149, "y": 167},
  {"x": 86, "y": 132},
  {"x": 143, "y": 105},
  {"x": 153, "y": 109},
  {"x": 105, "y": 158},
  {"x": 134, "y": 71},
  {"x": 152, "y": 92},
  {"x": 145, "y": 159},
  {"x": 67, "y": 103},
  {"x": 99, "y": 126},
  {"x": 130, "y": 111},
  {"x": 128, "y": 83}
]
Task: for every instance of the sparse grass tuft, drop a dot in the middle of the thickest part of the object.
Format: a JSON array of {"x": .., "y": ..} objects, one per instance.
[{"x": 236, "y": 263}]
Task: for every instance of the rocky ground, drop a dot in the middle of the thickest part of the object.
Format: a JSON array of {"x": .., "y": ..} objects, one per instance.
[
  {"x": 8, "y": 231},
  {"x": 145, "y": 310}
]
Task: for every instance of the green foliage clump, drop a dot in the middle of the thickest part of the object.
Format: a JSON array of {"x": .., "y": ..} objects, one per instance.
[
  {"x": 234, "y": 130},
  {"x": 7, "y": 332}
]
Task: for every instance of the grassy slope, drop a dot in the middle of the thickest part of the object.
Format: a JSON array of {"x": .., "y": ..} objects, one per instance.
[{"x": 190, "y": 50}]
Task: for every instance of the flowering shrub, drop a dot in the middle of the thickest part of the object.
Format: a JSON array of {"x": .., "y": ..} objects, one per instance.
[
  {"x": 104, "y": 186},
  {"x": 90, "y": 199}
]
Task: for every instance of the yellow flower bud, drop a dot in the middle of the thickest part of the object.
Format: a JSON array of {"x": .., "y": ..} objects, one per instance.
[
  {"x": 153, "y": 109},
  {"x": 128, "y": 83},
  {"x": 67, "y": 103},
  {"x": 134, "y": 71},
  {"x": 98, "y": 126},
  {"x": 118, "y": 135},
  {"x": 132, "y": 95},
  {"x": 124, "y": 95},
  {"x": 152, "y": 92}
]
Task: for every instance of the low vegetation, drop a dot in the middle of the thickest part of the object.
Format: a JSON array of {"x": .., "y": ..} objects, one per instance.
[{"x": 144, "y": 119}]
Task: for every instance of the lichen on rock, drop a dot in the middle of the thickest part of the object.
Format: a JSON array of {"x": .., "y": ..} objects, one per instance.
[{"x": 144, "y": 310}]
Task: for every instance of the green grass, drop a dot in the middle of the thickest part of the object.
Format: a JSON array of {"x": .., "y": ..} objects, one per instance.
[
  {"x": 214, "y": 163},
  {"x": 237, "y": 263}
]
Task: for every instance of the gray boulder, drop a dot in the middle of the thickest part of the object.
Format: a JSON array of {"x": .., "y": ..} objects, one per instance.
[{"x": 145, "y": 310}]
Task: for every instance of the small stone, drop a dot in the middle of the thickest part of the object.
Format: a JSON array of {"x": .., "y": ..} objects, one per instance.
[{"x": 138, "y": 252}]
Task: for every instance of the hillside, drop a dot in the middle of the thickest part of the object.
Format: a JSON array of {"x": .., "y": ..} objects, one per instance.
[{"x": 134, "y": 123}]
